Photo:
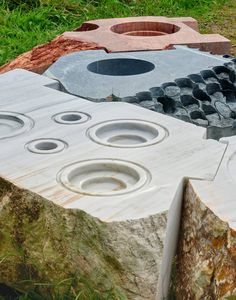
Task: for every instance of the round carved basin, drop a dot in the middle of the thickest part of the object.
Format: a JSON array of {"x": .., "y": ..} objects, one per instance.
[
  {"x": 71, "y": 117},
  {"x": 12, "y": 124},
  {"x": 127, "y": 133},
  {"x": 145, "y": 28},
  {"x": 103, "y": 177},
  {"x": 46, "y": 146}
]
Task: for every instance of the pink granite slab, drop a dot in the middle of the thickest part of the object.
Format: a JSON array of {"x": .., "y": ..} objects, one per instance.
[{"x": 148, "y": 33}]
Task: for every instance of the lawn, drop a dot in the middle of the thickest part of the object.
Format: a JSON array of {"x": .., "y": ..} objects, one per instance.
[{"x": 25, "y": 24}]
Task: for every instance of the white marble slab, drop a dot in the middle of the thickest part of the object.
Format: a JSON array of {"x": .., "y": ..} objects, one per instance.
[
  {"x": 142, "y": 176},
  {"x": 183, "y": 153}
]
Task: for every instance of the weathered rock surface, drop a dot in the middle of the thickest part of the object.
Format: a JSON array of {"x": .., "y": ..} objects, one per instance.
[
  {"x": 206, "y": 258},
  {"x": 41, "y": 57},
  {"x": 42, "y": 242}
]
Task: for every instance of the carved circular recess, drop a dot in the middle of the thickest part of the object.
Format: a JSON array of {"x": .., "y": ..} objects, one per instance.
[
  {"x": 103, "y": 177},
  {"x": 127, "y": 133}
]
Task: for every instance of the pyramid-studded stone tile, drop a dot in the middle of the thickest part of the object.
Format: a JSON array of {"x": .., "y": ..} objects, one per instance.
[{"x": 202, "y": 92}]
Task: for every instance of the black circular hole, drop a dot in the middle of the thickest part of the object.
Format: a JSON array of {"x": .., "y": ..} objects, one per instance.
[
  {"x": 120, "y": 67},
  {"x": 71, "y": 117},
  {"x": 46, "y": 146}
]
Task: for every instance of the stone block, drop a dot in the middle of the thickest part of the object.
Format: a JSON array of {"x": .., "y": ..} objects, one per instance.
[
  {"x": 148, "y": 33},
  {"x": 97, "y": 74},
  {"x": 92, "y": 190},
  {"x": 202, "y": 92},
  {"x": 206, "y": 257}
]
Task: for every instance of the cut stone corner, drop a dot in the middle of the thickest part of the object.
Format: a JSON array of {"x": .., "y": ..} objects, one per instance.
[
  {"x": 189, "y": 21},
  {"x": 148, "y": 33},
  {"x": 207, "y": 241}
]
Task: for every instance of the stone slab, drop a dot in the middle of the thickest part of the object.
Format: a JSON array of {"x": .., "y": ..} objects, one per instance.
[
  {"x": 148, "y": 33},
  {"x": 43, "y": 103},
  {"x": 202, "y": 92},
  {"x": 97, "y": 74},
  {"x": 115, "y": 161}
]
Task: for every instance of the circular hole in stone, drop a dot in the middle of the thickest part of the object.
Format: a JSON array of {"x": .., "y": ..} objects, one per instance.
[
  {"x": 103, "y": 177},
  {"x": 145, "y": 29},
  {"x": 120, "y": 67},
  {"x": 46, "y": 146},
  {"x": 12, "y": 124},
  {"x": 71, "y": 117},
  {"x": 127, "y": 133}
]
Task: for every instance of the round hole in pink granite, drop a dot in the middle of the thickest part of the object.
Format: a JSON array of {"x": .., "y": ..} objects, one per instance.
[{"x": 145, "y": 28}]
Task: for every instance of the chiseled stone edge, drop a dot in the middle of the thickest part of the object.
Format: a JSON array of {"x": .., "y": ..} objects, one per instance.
[
  {"x": 206, "y": 256},
  {"x": 43, "y": 242},
  {"x": 42, "y": 56}
]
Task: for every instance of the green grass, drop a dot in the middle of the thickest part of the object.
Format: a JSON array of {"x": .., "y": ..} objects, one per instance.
[
  {"x": 25, "y": 24},
  {"x": 77, "y": 287},
  {"x": 64, "y": 290}
]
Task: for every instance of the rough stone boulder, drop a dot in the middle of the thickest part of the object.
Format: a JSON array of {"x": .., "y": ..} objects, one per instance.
[{"x": 41, "y": 57}]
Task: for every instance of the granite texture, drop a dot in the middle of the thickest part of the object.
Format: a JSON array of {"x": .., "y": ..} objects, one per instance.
[
  {"x": 206, "y": 256},
  {"x": 41, "y": 57}
]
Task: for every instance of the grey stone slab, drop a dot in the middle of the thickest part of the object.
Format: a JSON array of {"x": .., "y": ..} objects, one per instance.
[
  {"x": 97, "y": 74},
  {"x": 187, "y": 84}
]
